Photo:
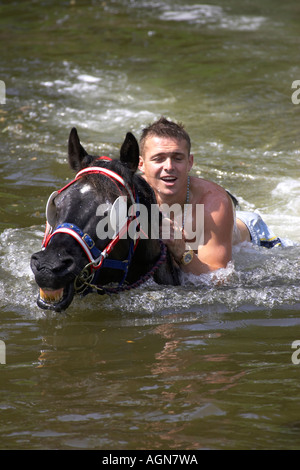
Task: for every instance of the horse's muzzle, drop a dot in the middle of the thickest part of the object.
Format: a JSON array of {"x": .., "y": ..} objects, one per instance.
[
  {"x": 55, "y": 277},
  {"x": 57, "y": 300}
]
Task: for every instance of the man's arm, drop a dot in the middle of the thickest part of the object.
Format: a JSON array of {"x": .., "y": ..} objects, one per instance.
[{"x": 216, "y": 251}]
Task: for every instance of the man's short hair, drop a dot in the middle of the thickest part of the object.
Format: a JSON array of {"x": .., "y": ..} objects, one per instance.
[{"x": 165, "y": 128}]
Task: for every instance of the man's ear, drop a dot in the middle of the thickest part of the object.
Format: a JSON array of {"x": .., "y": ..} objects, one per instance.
[{"x": 141, "y": 164}]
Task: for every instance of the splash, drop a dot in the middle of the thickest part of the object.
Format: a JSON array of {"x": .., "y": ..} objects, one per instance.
[{"x": 256, "y": 279}]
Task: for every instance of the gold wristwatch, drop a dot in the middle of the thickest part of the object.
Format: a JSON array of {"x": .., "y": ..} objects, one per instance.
[{"x": 187, "y": 257}]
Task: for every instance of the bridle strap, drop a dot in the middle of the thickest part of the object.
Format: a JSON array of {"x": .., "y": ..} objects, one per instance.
[
  {"x": 111, "y": 174},
  {"x": 84, "y": 240},
  {"x": 104, "y": 171},
  {"x": 86, "y": 286},
  {"x": 96, "y": 257},
  {"x": 89, "y": 170}
]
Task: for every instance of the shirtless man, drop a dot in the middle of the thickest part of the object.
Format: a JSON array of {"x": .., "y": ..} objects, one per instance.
[{"x": 165, "y": 162}]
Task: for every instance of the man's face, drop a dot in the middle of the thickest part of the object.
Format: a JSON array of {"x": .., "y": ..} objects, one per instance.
[{"x": 165, "y": 163}]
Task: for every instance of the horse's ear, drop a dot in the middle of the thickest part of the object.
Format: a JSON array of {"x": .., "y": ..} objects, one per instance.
[
  {"x": 78, "y": 157},
  {"x": 129, "y": 153}
]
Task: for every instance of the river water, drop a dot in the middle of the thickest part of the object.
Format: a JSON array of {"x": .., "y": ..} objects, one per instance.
[{"x": 208, "y": 365}]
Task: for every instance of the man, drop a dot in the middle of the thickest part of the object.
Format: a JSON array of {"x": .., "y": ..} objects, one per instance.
[{"x": 165, "y": 162}]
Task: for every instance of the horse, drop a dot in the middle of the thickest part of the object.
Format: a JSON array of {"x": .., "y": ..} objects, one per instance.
[{"x": 73, "y": 259}]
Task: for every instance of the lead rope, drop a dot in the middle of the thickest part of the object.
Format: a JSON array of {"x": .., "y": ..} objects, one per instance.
[{"x": 85, "y": 276}]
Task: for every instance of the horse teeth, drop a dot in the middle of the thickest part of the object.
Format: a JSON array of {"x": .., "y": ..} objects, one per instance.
[{"x": 49, "y": 295}]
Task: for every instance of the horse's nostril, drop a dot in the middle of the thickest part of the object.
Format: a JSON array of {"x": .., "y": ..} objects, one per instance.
[
  {"x": 34, "y": 262},
  {"x": 68, "y": 262},
  {"x": 63, "y": 264}
]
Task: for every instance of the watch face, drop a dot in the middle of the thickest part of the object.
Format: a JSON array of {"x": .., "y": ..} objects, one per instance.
[{"x": 188, "y": 257}]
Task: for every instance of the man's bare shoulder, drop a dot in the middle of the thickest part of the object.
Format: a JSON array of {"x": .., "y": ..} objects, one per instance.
[
  {"x": 218, "y": 209},
  {"x": 208, "y": 192}
]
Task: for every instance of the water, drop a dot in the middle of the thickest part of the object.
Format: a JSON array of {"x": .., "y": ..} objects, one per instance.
[{"x": 208, "y": 365}]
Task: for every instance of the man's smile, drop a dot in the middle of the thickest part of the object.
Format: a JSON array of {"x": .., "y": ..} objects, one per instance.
[{"x": 168, "y": 179}]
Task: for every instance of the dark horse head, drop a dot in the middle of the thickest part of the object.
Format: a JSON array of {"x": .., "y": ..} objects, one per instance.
[{"x": 82, "y": 249}]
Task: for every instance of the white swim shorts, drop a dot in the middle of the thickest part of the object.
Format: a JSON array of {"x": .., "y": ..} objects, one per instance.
[{"x": 260, "y": 233}]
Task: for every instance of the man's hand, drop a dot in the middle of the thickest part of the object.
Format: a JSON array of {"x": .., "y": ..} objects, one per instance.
[{"x": 172, "y": 235}]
